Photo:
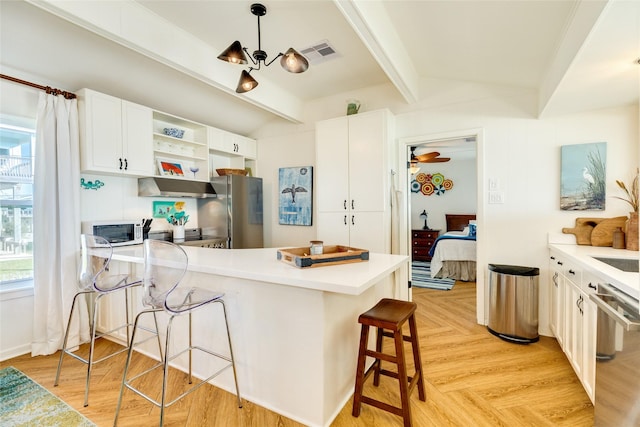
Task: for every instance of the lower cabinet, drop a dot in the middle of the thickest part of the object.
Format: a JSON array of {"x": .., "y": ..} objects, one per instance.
[
  {"x": 112, "y": 313},
  {"x": 556, "y": 321},
  {"x": 353, "y": 229},
  {"x": 573, "y": 318}
]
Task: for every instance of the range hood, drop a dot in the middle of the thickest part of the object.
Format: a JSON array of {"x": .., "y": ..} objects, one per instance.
[{"x": 167, "y": 187}]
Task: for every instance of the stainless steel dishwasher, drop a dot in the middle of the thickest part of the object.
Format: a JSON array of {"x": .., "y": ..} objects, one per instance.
[{"x": 617, "y": 393}]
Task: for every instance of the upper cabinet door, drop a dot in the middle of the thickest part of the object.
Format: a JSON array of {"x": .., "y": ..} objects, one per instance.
[
  {"x": 116, "y": 136},
  {"x": 332, "y": 165},
  {"x": 100, "y": 120},
  {"x": 137, "y": 139},
  {"x": 368, "y": 160},
  {"x": 245, "y": 147}
]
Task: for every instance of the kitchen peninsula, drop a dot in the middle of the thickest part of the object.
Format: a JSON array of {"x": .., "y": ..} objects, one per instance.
[{"x": 295, "y": 331}]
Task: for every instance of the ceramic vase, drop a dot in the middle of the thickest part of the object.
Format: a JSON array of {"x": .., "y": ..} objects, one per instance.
[{"x": 632, "y": 231}]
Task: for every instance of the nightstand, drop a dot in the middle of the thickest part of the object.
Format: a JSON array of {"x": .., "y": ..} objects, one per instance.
[{"x": 421, "y": 243}]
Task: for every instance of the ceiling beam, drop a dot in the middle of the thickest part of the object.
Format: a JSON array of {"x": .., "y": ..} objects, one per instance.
[
  {"x": 128, "y": 23},
  {"x": 585, "y": 17},
  {"x": 371, "y": 23}
]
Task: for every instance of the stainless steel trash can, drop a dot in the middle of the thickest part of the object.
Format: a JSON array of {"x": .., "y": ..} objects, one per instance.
[{"x": 513, "y": 303}]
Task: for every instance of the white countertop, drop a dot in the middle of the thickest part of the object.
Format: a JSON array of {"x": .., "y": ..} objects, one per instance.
[
  {"x": 263, "y": 265},
  {"x": 583, "y": 255}
]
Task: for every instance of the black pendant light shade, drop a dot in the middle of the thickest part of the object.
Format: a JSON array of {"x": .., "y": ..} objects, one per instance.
[
  {"x": 246, "y": 82},
  {"x": 234, "y": 54},
  {"x": 293, "y": 62}
]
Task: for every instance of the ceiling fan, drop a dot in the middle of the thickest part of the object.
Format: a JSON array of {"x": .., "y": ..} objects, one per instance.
[{"x": 433, "y": 157}]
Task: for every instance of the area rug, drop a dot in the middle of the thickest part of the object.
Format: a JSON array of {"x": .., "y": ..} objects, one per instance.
[
  {"x": 421, "y": 277},
  {"x": 24, "y": 402}
]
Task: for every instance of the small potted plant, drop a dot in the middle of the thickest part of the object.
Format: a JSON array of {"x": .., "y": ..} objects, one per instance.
[{"x": 632, "y": 222}]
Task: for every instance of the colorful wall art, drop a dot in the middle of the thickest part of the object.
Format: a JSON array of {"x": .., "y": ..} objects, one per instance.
[
  {"x": 583, "y": 177},
  {"x": 429, "y": 184},
  {"x": 295, "y": 195}
]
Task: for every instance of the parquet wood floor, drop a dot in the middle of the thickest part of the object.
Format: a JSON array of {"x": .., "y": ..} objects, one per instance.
[{"x": 471, "y": 377}]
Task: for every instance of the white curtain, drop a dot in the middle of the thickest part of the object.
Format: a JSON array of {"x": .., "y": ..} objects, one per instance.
[{"x": 56, "y": 214}]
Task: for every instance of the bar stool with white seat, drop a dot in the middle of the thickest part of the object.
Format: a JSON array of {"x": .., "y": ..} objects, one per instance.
[
  {"x": 95, "y": 280},
  {"x": 165, "y": 264}
]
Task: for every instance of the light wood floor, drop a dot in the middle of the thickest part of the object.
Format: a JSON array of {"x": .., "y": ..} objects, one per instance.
[{"x": 471, "y": 377}]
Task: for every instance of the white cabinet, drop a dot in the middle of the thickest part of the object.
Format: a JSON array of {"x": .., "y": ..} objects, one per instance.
[
  {"x": 573, "y": 317},
  {"x": 112, "y": 311},
  {"x": 353, "y": 175},
  {"x": 589, "y": 334},
  {"x": 115, "y": 135},
  {"x": 229, "y": 150},
  {"x": 190, "y": 151},
  {"x": 556, "y": 321},
  {"x": 120, "y": 137}
]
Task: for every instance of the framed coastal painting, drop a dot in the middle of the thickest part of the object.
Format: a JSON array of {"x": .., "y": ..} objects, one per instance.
[
  {"x": 295, "y": 195},
  {"x": 583, "y": 177}
]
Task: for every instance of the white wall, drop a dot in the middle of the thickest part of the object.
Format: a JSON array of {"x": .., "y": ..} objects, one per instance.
[
  {"x": 296, "y": 149},
  {"x": 461, "y": 199}
]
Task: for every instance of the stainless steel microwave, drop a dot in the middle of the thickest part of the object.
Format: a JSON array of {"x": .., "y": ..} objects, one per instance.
[{"x": 118, "y": 233}]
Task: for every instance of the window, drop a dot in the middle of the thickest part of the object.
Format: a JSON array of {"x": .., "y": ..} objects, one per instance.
[{"x": 17, "y": 150}]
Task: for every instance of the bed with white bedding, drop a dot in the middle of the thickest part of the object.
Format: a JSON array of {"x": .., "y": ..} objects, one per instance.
[{"x": 454, "y": 252}]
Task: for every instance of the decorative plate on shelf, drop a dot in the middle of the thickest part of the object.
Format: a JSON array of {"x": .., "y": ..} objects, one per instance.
[{"x": 223, "y": 172}]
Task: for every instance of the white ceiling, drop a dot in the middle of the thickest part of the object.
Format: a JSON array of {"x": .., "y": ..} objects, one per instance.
[{"x": 579, "y": 55}]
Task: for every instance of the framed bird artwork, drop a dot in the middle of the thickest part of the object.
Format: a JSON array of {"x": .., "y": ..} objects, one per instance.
[
  {"x": 295, "y": 195},
  {"x": 583, "y": 177}
]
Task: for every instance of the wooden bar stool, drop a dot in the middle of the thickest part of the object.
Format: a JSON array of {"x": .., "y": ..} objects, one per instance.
[{"x": 389, "y": 315}]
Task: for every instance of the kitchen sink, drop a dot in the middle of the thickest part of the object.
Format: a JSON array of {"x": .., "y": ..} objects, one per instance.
[{"x": 624, "y": 264}]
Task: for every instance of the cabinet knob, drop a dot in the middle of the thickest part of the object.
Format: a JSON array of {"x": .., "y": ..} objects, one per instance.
[
  {"x": 345, "y": 205},
  {"x": 352, "y": 204},
  {"x": 572, "y": 272},
  {"x": 126, "y": 164},
  {"x": 553, "y": 257},
  {"x": 120, "y": 159},
  {"x": 559, "y": 263},
  {"x": 353, "y": 220},
  {"x": 592, "y": 286},
  {"x": 345, "y": 220}
]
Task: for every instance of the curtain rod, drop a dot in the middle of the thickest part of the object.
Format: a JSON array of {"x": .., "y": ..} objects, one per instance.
[{"x": 48, "y": 89}]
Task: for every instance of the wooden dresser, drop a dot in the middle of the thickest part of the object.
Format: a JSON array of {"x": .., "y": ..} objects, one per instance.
[{"x": 421, "y": 243}]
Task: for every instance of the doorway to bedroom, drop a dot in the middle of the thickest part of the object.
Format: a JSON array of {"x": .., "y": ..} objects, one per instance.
[{"x": 442, "y": 198}]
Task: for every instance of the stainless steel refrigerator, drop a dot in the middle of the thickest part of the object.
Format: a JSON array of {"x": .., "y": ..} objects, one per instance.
[{"x": 235, "y": 213}]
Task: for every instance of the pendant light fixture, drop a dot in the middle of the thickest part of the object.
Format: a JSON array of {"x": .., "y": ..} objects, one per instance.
[{"x": 291, "y": 60}]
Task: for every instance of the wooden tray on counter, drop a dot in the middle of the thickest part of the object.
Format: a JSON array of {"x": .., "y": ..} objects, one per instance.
[{"x": 332, "y": 255}]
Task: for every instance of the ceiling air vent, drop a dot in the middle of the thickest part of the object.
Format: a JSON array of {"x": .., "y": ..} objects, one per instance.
[{"x": 319, "y": 52}]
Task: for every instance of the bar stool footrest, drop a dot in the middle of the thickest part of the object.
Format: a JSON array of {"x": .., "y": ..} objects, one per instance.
[
  {"x": 381, "y": 405},
  {"x": 377, "y": 355}
]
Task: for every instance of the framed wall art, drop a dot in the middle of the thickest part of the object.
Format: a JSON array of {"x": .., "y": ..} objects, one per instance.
[
  {"x": 162, "y": 208},
  {"x": 295, "y": 195},
  {"x": 170, "y": 167},
  {"x": 583, "y": 177}
]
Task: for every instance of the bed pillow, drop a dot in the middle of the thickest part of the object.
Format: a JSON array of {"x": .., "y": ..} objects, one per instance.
[
  {"x": 465, "y": 231},
  {"x": 472, "y": 229}
]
